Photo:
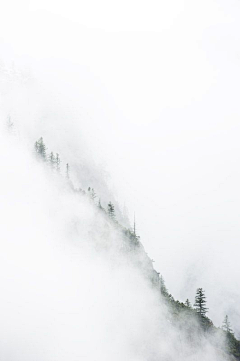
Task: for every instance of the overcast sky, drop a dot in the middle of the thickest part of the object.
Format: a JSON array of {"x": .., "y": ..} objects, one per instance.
[{"x": 157, "y": 84}]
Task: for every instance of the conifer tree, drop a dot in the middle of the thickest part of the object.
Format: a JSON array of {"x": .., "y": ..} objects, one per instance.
[
  {"x": 163, "y": 288},
  {"x": 99, "y": 204},
  {"x": 200, "y": 302},
  {"x": 226, "y": 326},
  {"x": 51, "y": 159},
  {"x": 111, "y": 211},
  {"x": 41, "y": 149},
  {"x": 91, "y": 193},
  {"x": 188, "y": 303},
  {"x": 134, "y": 227},
  {"x": 57, "y": 162},
  {"x": 67, "y": 171}
]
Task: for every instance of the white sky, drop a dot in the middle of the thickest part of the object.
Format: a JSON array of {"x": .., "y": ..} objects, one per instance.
[{"x": 160, "y": 81}]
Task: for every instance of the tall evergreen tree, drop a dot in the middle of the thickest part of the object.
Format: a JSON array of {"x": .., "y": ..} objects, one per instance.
[
  {"x": 163, "y": 288},
  {"x": 67, "y": 171},
  {"x": 226, "y": 326},
  {"x": 51, "y": 159},
  {"x": 200, "y": 302},
  {"x": 41, "y": 149},
  {"x": 134, "y": 227},
  {"x": 111, "y": 211},
  {"x": 188, "y": 303},
  {"x": 57, "y": 162},
  {"x": 99, "y": 204}
]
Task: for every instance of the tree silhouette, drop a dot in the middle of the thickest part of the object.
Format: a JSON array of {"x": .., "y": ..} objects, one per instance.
[
  {"x": 163, "y": 288},
  {"x": 111, "y": 211},
  {"x": 91, "y": 193},
  {"x": 226, "y": 326},
  {"x": 41, "y": 149},
  {"x": 188, "y": 303},
  {"x": 51, "y": 159},
  {"x": 99, "y": 204},
  {"x": 67, "y": 171},
  {"x": 57, "y": 162},
  {"x": 200, "y": 302}
]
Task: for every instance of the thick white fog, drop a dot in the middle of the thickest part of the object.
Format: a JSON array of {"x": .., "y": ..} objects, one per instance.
[
  {"x": 70, "y": 289},
  {"x": 141, "y": 98}
]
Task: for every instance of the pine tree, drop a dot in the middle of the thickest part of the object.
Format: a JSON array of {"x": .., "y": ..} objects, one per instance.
[
  {"x": 51, "y": 159},
  {"x": 91, "y": 193},
  {"x": 200, "y": 302},
  {"x": 163, "y": 288},
  {"x": 111, "y": 211},
  {"x": 134, "y": 227},
  {"x": 41, "y": 149},
  {"x": 226, "y": 326},
  {"x": 188, "y": 303},
  {"x": 67, "y": 171},
  {"x": 57, "y": 162},
  {"x": 99, "y": 204}
]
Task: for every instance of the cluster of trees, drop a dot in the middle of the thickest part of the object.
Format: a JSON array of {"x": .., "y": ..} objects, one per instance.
[
  {"x": 52, "y": 159},
  {"x": 199, "y": 308},
  {"x": 110, "y": 206}
]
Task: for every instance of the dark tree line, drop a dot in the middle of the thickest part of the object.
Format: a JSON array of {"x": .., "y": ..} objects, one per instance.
[
  {"x": 199, "y": 308},
  {"x": 53, "y": 160}
]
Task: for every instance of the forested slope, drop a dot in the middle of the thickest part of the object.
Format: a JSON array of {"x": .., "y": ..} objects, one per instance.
[{"x": 191, "y": 321}]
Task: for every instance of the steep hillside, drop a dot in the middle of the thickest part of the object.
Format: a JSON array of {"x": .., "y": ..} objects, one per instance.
[
  {"x": 76, "y": 283},
  {"x": 192, "y": 328}
]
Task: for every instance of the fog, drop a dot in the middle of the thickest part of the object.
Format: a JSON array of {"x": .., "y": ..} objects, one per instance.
[
  {"x": 70, "y": 289},
  {"x": 142, "y": 101}
]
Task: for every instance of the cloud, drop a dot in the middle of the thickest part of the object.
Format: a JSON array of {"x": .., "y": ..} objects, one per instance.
[{"x": 71, "y": 289}]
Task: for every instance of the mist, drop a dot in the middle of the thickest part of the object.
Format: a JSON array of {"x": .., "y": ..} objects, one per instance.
[
  {"x": 71, "y": 288},
  {"x": 146, "y": 112}
]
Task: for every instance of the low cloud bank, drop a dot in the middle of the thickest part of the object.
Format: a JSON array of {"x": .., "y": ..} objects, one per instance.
[{"x": 68, "y": 290}]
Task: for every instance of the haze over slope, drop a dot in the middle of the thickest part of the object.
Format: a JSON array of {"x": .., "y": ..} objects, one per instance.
[
  {"x": 150, "y": 89},
  {"x": 71, "y": 288}
]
